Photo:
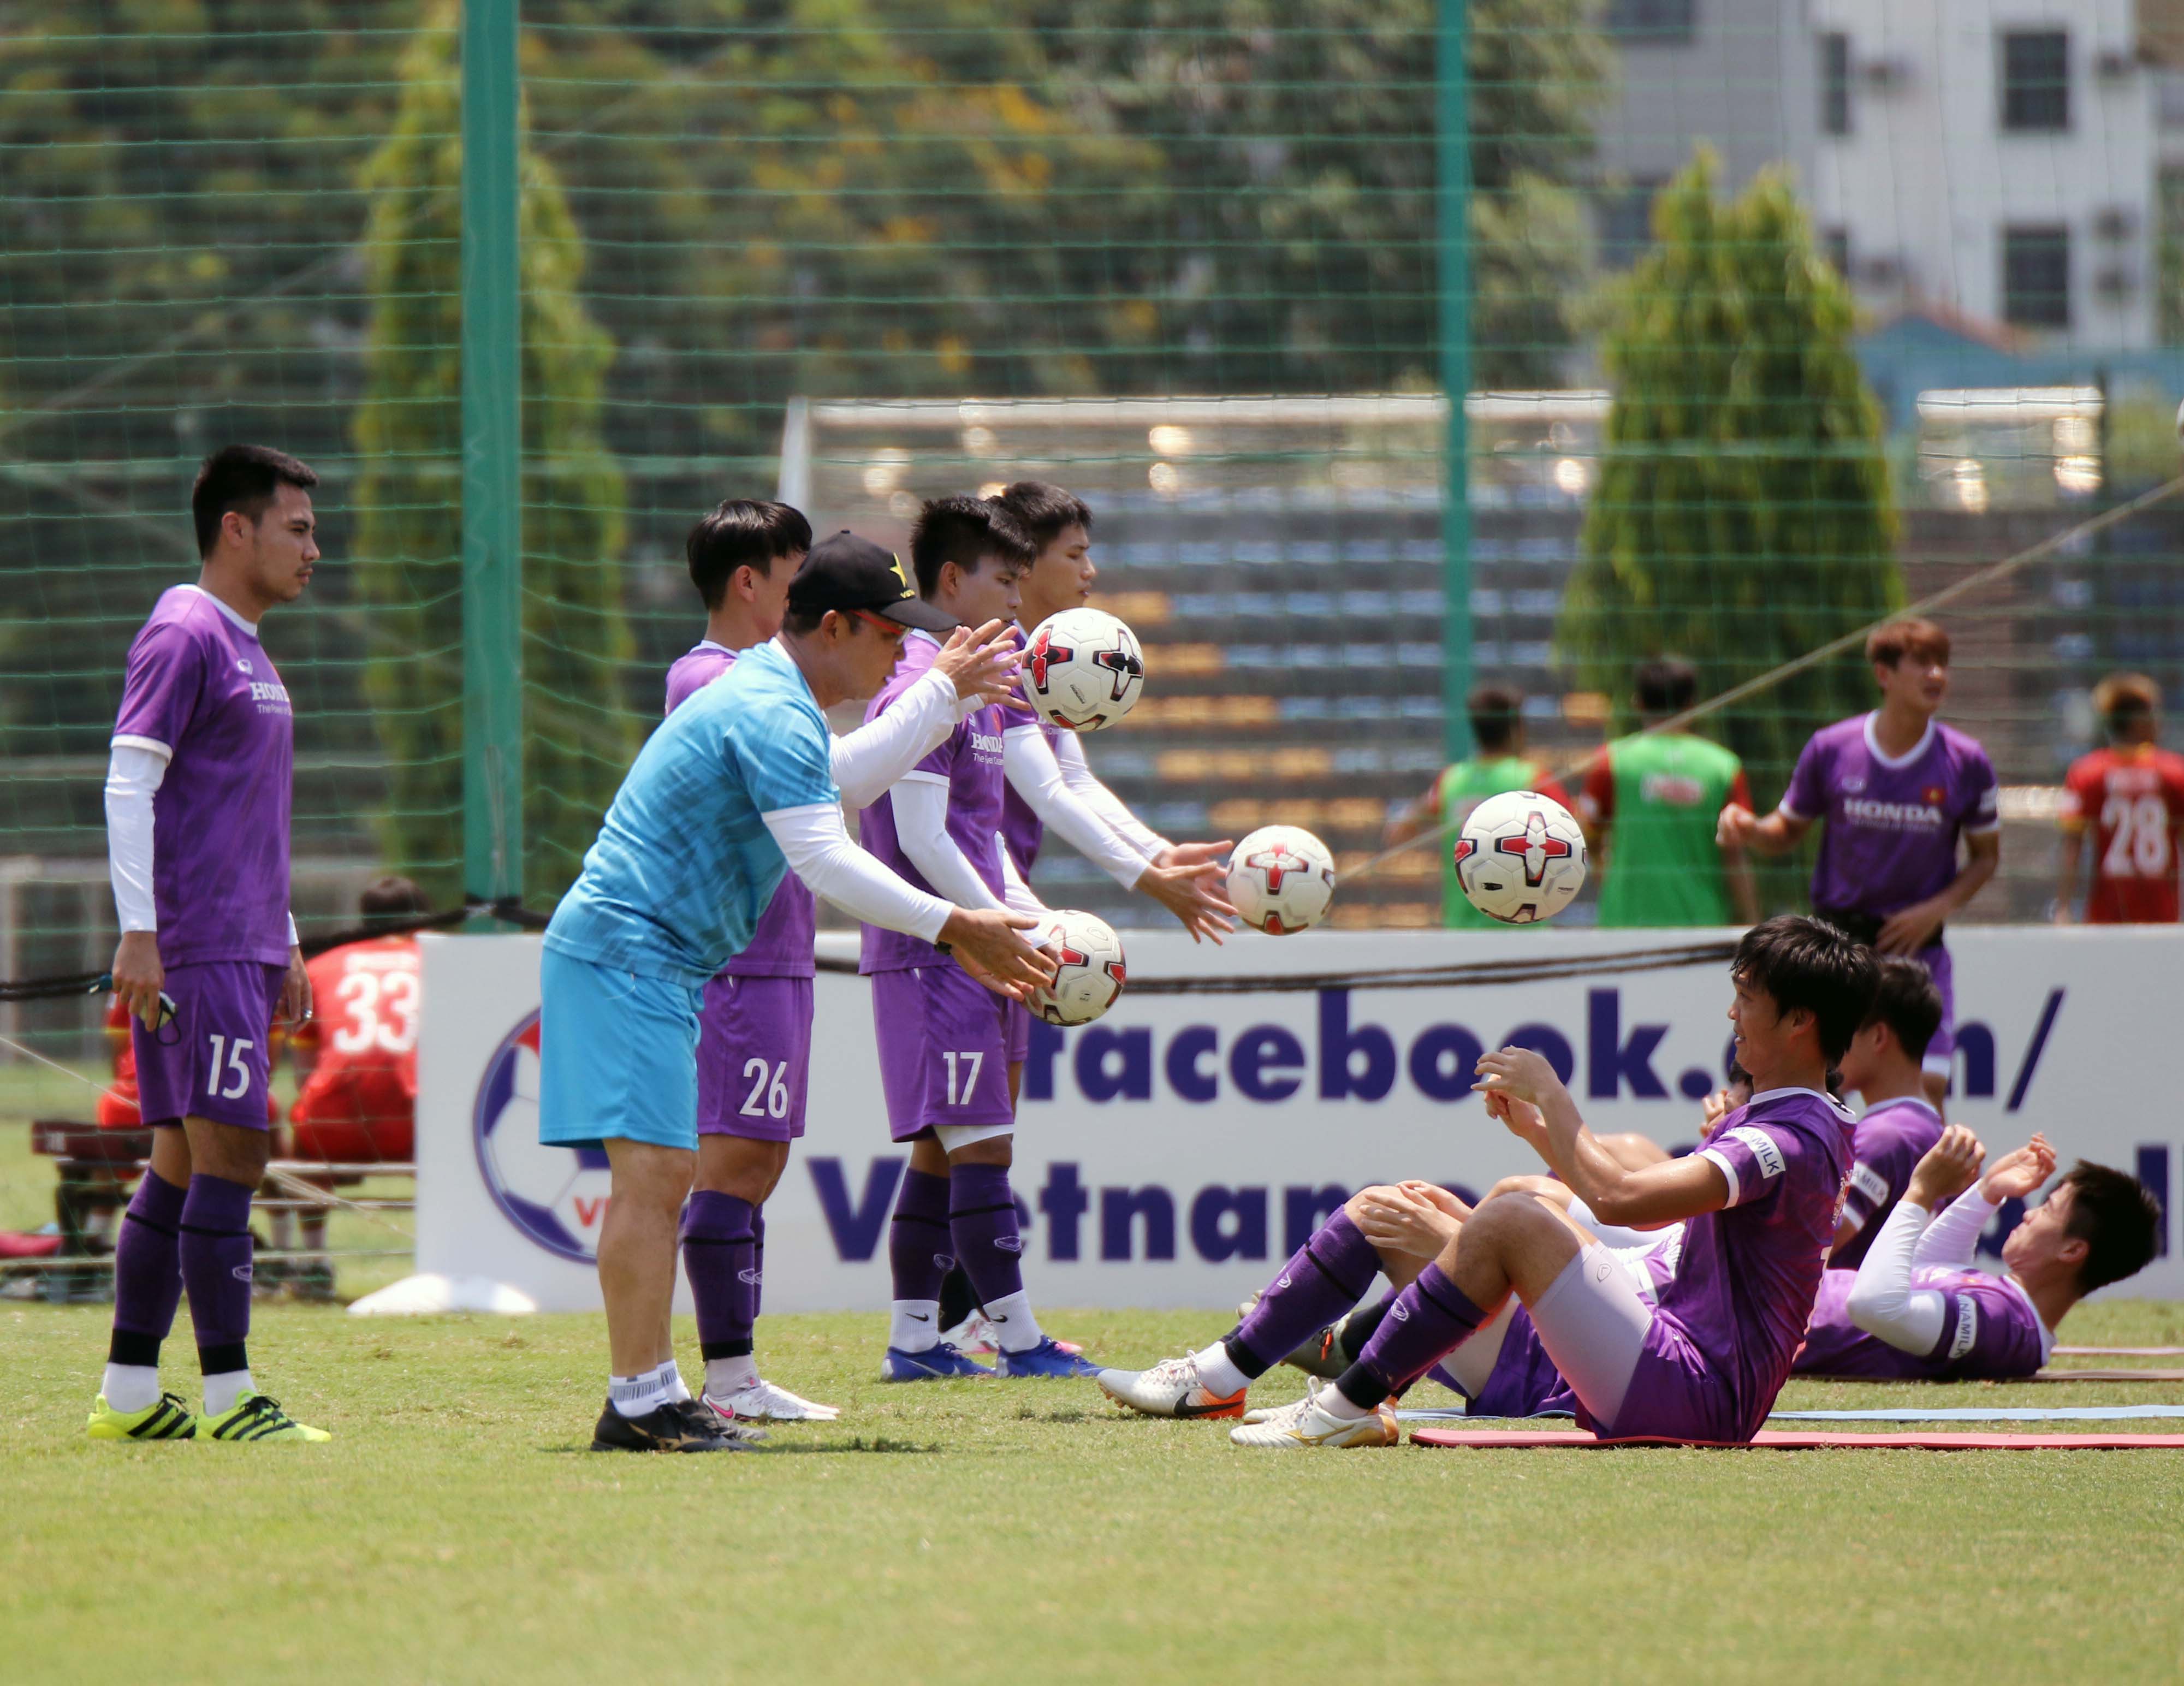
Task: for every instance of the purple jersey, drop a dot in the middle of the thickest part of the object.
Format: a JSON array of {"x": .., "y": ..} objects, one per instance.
[
  {"x": 969, "y": 760},
  {"x": 1891, "y": 1138},
  {"x": 781, "y": 945},
  {"x": 1746, "y": 1275},
  {"x": 1891, "y": 826},
  {"x": 201, "y": 689},
  {"x": 1990, "y": 1331}
]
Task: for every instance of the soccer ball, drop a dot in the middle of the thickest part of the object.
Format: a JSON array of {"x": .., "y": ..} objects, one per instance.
[
  {"x": 1281, "y": 879},
  {"x": 1089, "y": 979},
  {"x": 1083, "y": 669},
  {"x": 1520, "y": 857}
]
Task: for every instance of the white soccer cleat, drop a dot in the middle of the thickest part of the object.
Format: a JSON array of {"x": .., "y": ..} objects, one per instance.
[
  {"x": 1170, "y": 1388},
  {"x": 759, "y": 1400},
  {"x": 1307, "y": 1425}
]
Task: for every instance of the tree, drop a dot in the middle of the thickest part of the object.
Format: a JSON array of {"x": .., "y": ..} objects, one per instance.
[
  {"x": 579, "y": 735},
  {"x": 1743, "y": 515}
]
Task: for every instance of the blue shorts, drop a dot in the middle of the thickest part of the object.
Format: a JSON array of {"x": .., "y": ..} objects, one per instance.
[{"x": 617, "y": 1055}]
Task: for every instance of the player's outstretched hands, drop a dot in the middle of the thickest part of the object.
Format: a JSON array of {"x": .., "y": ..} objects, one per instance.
[
  {"x": 1401, "y": 1218},
  {"x": 1519, "y": 1073},
  {"x": 981, "y": 664},
  {"x": 992, "y": 947},
  {"x": 1712, "y": 1109},
  {"x": 2016, "y": 1175},
  {"x": 1189, "y": 881},
  {"x": 1735, "y": 828},
  {"x": 1951, "y": 1166},
  {"x": 138, "y": 977},
  {"x": 1525, "y": 1120}
]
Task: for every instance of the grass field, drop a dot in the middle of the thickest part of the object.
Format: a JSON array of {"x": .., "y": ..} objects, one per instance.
[{"x": 992, "y": 1531}]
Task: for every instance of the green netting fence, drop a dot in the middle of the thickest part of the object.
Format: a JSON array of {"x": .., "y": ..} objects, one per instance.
[{"x": 1218, "y": 267}]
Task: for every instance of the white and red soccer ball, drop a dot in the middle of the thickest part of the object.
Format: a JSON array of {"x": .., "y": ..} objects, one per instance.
[
  {"x": 1083, "y": 669},
  {"x": 1520, "y": 857},
  {"x": 1090, "y": 971},
  {"x": 1281, "y": 879}
]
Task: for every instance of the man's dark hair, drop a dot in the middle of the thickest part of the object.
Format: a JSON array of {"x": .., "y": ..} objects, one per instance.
[
  {"x": 742, "y": 532},
  {"x": 1668, "y": 685},
  {"x": 1886, "y": 645},
  {"x": 2118, "y": 1218},
  {"x": 2122, "y": 700},
  {"x": 1905, "y": 1000},
  {"x": 1495, "y": 711},
  {"x": 1044, "y": 512},
  {"x": 1809, "y": 963},
  {"x": 244, "y": 478},
  {"x": 964, "y": 531},
  {"x": 390, "y": 899}
]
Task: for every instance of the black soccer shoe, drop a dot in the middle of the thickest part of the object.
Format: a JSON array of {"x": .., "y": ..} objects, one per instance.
[{"x": 675, "y": 1426}]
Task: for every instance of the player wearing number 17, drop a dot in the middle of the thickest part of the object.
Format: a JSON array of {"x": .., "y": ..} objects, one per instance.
[
  {"x": 2131, "y": 795},
  {"x": 733, "y": 791},
  {"x": 196, "y": 822}
]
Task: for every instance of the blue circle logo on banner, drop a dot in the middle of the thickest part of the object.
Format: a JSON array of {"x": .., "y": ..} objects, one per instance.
[{"x": 556, "y": 1196}]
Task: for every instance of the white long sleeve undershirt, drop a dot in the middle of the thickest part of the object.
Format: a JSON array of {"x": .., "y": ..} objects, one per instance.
[
  {"x": 868, "y": 760},
  {"x": 920, "y": 826},
  {"x": 1034, "y": 773},
  {"x": 1882, "y": 1301},
  {"x": 135, "y": 771},
  {"x": 1077, "y": 773},
  {"x": 821, "y": 852},
  {"x": 1952, "y": 1239},
  {"x": 1020, "y": 898}
]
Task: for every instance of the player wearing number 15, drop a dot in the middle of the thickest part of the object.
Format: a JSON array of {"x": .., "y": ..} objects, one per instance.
[
  {"x": 197, "y": 816},
  {"x": 2131, "y": 795}
]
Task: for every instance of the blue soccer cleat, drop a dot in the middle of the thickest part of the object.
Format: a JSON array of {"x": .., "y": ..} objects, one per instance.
[
  {"x": 935, "y": 1364},
  {"x": 1049, "y": 1359}
]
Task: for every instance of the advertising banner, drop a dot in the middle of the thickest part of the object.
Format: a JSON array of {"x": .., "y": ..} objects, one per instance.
[{"x": 1169, "y": 1154}]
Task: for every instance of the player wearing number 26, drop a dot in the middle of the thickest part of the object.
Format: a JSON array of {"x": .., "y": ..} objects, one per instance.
[{"x": 2131, "y": 795}]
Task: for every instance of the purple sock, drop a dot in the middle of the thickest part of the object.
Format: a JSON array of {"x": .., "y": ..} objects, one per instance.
[
  {"x": 717, "y": 1257},
  {"x": 1326, "y": 1277},
  {"x": 982, "y": 1218},
  {"x": 758, "y": 1261},
  {"x": 215, "y": 1250},
  {"x": 1429, "y": 1320},
  {"x": 148, "y": 1272},
  {"x": 917, "y": 1240}
]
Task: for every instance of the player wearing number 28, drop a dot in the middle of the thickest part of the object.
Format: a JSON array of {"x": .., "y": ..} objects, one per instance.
[
  {"x": 2130, "y": 795},
  {"x": 196, "y": 806}
]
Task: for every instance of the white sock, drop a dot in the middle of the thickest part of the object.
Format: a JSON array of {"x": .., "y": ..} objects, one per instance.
[
  {"x": 1217, "y": 1371},
  {"x": 1338, "y": 1405},
  {"x": 1014, "y": 1326},
  {"x": 222, "y": 1391},
  {"x": 913, "y": 1325},
  {"x": 130, "y": 1387},
  {"x": 677, "y": 1389},
  {"x": 638, "y": 1395},
  {"x": 726, "y": 1376}
]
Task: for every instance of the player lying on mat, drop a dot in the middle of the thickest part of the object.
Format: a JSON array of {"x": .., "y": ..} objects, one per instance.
[
  {"x": 1916, "y": 1308},
  {"x": 1704, "y": 1359}
]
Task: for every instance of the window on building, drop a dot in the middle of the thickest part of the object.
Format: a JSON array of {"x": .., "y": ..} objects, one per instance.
[
  {"x": 1835, "y": 84},
  {"x": 2036, "y": 276},
  {"x": 1835, "y": 247},
  {"x": 2035, "y": 82},
  {"x": 1626, "y": 223},
  {"x": 1668, "y": 21}
]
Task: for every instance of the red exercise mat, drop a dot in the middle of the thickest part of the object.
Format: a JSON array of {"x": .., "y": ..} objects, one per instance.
[{"x": 1774, "y": 1440}]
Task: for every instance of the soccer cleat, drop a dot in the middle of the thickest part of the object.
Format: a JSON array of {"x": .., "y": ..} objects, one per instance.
[
  {"x": 679, "y": 1426},
  {"x": 761, "y": 1401},
  {"x": 1322, "y": 1356},
  {"x": 1170, "y": 1388},
  {"x": 935, "y": 1364},
  {"x": 167, "y": 1418},
  {"x": 1050, "y": 1360},
  {"x": 1308, "y": 1426},
  {"x": 975, "y": 1333},
  {"x": 253, "y": 1417}
]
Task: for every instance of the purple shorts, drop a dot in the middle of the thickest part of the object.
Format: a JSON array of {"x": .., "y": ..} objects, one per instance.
[
  {"x": 1941, "y": 1050},
  {"x": 212, "y": 1061},
  {"x": 1019, "y": 1032},
  {"x": 943, "y": 1049},
  {"x": 754, "y": 1057}
]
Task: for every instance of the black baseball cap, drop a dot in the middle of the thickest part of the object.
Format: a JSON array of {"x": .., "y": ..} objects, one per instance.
[{"x": 844, "y": 572}]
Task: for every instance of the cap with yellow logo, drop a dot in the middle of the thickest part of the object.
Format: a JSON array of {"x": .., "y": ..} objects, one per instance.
[{"x": 844, "y": 572}]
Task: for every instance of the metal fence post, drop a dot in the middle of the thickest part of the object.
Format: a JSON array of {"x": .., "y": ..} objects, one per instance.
[{"x": 1452, "y": 215}]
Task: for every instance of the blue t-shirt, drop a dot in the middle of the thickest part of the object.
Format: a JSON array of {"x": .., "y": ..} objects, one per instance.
[{"x": 684, "y": 865}]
